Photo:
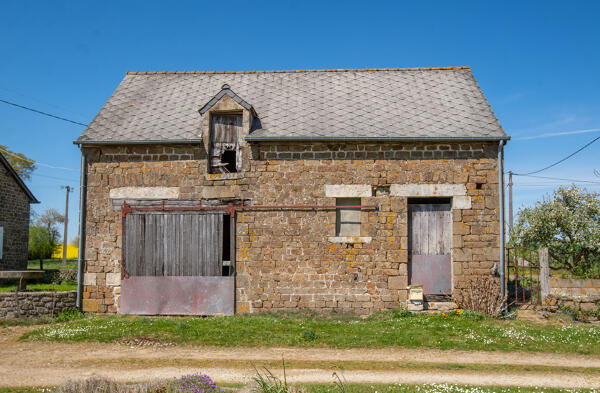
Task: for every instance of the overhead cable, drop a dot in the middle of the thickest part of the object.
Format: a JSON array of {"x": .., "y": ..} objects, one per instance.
[{"x": 42, "y": 113}]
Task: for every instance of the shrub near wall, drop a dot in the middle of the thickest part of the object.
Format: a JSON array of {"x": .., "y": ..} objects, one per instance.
[{"x": 35, "y": 304}]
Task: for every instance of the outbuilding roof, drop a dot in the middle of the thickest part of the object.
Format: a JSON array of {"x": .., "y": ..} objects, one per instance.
[
  {"x": 11, "y": 171},
  {"x": 368, "y": 104}
]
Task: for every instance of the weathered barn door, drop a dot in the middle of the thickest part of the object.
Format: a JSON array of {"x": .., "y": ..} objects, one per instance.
[
  {"x": 174, "y": 264},
  {"x": 429, "y": 239}
]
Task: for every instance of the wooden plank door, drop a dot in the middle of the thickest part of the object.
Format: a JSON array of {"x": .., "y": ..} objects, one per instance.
[
  {"x": 429, "y": 239},
  {"x": 174, "y": 244},
  {"x": 174, "y": 265}
]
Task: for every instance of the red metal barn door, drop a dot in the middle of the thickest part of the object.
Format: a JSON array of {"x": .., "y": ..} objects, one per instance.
[
  {"x": 174, "y": 265},
  {"x": 429, "y": 239}
]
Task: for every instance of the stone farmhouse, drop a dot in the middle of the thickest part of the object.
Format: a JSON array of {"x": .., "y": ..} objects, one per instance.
[
  {"x": 15, "y": 198},
  {"x": 233, "y": 192}
]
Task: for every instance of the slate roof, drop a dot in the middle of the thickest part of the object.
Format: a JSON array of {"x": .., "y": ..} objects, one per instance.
[
  {"x": 11, "y": 171},
  {"x": 372, "y": 104}
]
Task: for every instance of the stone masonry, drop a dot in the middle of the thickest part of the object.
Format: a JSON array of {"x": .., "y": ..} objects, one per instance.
[
  {"x": 35, "y": 304},
  {"x": 289, "y": 260},
  {"x": 14, "y": 218}
]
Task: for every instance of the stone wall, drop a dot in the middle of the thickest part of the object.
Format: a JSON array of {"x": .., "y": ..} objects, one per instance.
[
  {"x": 14, "y": 218},
  {"x": 570, "y": 287},
  {"x": 35, "y": 304},
  {"x": 586, "y": 304},
  {"x": 288, "y": 260}
]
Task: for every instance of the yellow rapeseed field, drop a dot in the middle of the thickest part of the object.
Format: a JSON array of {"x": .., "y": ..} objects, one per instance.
[{"x": 72, "y": 252}]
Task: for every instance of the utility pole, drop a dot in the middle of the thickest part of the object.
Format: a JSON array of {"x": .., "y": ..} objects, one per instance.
[
  {"x": 510, "y": 204},
  {"x": 64, "y": 258}
]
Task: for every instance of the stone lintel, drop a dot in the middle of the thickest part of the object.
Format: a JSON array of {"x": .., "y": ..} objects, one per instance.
[
  {"x": 428, "y": 190},
  {"x": 348, "y": 190},
  {"x": 144, "y": 193},
  {"x": 349, "y": 239}
]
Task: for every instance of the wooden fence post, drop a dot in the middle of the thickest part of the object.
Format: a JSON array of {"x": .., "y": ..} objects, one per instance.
[{"x": 544, "y": 273}]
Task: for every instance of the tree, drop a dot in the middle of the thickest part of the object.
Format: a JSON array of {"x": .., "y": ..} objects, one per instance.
[
  {"x": 40, "y": 245},
  {"x": 568, "y": 224},
  {"x": 21, "y": 164},
  {"x": 45, "y": 234},
  {"x": 75, "y": 241}
]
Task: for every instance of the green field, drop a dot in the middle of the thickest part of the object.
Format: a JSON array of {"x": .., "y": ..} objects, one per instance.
[
  {"x": 52, "y": 264},
  {"x": 40, "y": 287},
  {"x": 468, "y": 331}
]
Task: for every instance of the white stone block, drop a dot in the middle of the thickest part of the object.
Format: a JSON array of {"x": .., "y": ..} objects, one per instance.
[
  {"x": 113, "y": 279},
  {"x": 89, "y": 279},
  {"x": 461, "y": 202},
  {"x": 348, "y": 190},
  {"x": 144, "y": 193},
  {"x": 428, "y": 190}
]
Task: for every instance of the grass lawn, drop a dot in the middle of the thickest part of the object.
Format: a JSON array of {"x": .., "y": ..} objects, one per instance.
[
  {"x": 40, "y": 287},
  {"x": 433, "y": 388},
  {"x": 468, "y": 331},
  {"x": 52, "y": 264}
]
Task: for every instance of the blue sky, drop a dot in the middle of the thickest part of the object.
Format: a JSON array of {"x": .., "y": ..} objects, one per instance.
[{"x": 537, "y": 63}]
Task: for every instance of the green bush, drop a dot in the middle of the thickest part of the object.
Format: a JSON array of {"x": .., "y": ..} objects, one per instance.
[{"x": 309, "y": 335}]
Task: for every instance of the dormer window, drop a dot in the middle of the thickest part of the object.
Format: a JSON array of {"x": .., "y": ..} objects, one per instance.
[
  {"x": 226, "y": 120},
  {"x": 225, "y": 153}
]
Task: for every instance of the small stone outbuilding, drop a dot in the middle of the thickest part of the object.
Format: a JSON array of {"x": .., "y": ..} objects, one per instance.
[
  {"x": 15, "y": 198},
  {"x": 222, "y": 192}
]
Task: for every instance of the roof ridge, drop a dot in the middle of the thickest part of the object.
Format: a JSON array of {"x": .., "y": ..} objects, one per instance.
[{"x": 297, "y": 71}]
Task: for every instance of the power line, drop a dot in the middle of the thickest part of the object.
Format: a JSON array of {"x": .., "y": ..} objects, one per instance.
[
  {"x": 8, "y": 153},
  {"x": 54, "y": 177},
  {"x": 43, "y": 113},
  {"x": 559, "y": 178},
  {"x": 37, "y": 99},
  {"x": 559, "y": 161}
]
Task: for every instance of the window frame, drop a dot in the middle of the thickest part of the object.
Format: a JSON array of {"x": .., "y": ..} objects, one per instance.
[
  {"x": 212, "y": 169},
  {"x": 342, "y": 224}
]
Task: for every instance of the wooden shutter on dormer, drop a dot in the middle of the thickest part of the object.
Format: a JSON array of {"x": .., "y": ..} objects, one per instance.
[{"x": 226, "y": 131}]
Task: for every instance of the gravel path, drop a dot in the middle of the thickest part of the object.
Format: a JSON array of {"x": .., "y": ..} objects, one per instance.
[{"x": 42, "y": 363}]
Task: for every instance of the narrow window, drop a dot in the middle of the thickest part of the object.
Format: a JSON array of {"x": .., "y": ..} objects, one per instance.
[
  {"x": 225, "y": 155},
  {"x": 226, "y": 252},
  {"x": 348, "y": 219}
]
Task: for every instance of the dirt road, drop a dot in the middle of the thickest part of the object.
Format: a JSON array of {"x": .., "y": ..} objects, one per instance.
[{"x": 38, "y": 364}]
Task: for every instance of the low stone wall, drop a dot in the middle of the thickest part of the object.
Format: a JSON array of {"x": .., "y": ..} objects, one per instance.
[
  {"x": 35, "y": 304},
  {"x": 585, "y": 304},
  {"x": 568, "y": 287}
]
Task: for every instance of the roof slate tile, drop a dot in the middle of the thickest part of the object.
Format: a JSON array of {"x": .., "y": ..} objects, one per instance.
[{"x": 399, "y": 103}]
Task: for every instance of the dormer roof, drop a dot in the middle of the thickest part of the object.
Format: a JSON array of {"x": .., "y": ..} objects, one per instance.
[{"x": 225, "y": 90}]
